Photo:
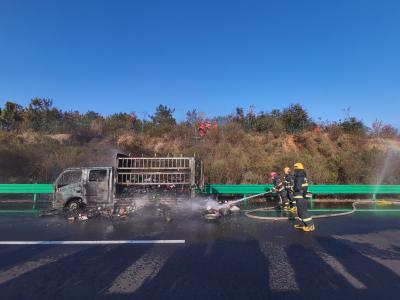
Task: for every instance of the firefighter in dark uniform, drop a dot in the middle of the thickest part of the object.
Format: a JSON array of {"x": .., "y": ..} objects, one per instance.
[
  {"x": 300, "y": 189},
  {"x": 278, "y": 188},
  {"x": 288, "y": 183}
]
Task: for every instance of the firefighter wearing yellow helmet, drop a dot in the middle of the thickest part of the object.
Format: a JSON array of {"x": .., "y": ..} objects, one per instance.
[
  {"x": 298, "y": 166},
  {"x": 300, "y": 189}
]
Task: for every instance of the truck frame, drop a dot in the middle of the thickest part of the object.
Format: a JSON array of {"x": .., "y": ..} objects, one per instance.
[{"x": 103, "y": 186}]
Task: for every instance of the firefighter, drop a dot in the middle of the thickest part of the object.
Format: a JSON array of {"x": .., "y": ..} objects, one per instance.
[
  {"x": 278, "y": 188},
  {"x": 288, "y": 183},
  {"x": 300, "y": 189},
  {"x": 202, "y": 130}
]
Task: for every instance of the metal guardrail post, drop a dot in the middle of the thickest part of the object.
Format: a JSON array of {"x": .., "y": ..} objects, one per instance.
[
  {"x": 374, "y": 199},
  {"x": 311, "y": 201},
  {"x": 34, "y": 201},
  {"x": 245, "y": 201}
]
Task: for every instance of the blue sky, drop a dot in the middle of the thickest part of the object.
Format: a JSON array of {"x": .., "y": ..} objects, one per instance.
[{"x": 112, "y": 56}]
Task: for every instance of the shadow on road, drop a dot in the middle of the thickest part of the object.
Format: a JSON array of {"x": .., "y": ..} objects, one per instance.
[
  {"x": 20, "y": 254},
  {"x": 83, "y": 275},
  {"x": 221, "y": 270},
  {"x": 323, "y": 268},
  {"x": 350, "y": 274}
]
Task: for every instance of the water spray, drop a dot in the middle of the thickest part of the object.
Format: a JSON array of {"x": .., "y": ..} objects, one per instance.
[
  {"x": 250, "y": 197},
  {"x": 211, "y": 205},
  {"x": 215, "y": 211},
  {"x": 392, "y": 150}
]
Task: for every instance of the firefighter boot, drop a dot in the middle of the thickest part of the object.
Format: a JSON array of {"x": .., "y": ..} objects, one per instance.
[
  {"x": 305, "y": 228},
  {"x": 308, "y": 228},
  {"x": 286, "y": 207}
]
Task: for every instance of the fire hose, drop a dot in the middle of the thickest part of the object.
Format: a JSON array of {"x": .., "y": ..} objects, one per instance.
[{"x": 248, "y": 213}]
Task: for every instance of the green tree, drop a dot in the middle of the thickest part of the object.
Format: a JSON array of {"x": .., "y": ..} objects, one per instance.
[
  {"x": 11, "y": 116},
  {"x": 353, "y": 125},
  {"x": 295, "y": 118},
  {"x": 89, "y": 117},
  {"x": 41, "y": 116},
  {"x": 268, "y": 123},
  {"x": 120, "y": 121},
  {"x": 163, "y": 116}
]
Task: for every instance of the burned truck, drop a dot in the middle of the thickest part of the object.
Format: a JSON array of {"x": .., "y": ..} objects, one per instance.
[{"x": 104, "y": 186}]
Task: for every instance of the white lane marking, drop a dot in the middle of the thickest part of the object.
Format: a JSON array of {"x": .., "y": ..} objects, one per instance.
[
  {"x": 342, "y": 270},
  {"x": 385, "y": 241},
  {"x": 282, "y": 277},
  {"x": 140, "y": 271},
  {"x": 105, "y": 242},
  {"x": 29, "y": 266}
]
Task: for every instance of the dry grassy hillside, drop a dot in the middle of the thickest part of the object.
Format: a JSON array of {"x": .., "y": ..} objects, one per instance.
[{"x": 231, "y": 155}]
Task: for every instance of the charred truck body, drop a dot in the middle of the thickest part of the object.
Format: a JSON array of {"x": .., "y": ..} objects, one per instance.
[{"x": 103, "y": 186}]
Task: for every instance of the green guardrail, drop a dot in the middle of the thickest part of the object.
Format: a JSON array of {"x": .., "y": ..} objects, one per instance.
[
  {"x": 34, "y": 189},
  {"x": 322, "y": 189},
  {"x": 228, "y": 189}
]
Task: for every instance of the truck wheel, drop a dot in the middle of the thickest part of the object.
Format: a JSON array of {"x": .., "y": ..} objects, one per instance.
[{"x": 73, "y": 205}]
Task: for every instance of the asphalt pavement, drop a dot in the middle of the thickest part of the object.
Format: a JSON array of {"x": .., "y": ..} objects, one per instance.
[{"x": 352, "y": 257}]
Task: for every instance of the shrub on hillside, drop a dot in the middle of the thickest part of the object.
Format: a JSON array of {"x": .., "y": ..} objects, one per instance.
[
  {"x": 353, "y": 125},
  {"x": 295, "y": 118},
  {"x": 269, "y": 123}
]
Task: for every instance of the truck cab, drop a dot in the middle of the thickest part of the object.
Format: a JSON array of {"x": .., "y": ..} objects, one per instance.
[{"x": 77, "y": 187}]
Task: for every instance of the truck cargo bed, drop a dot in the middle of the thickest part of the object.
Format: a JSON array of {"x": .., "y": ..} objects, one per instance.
[{"x": 156, "y": 171}]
